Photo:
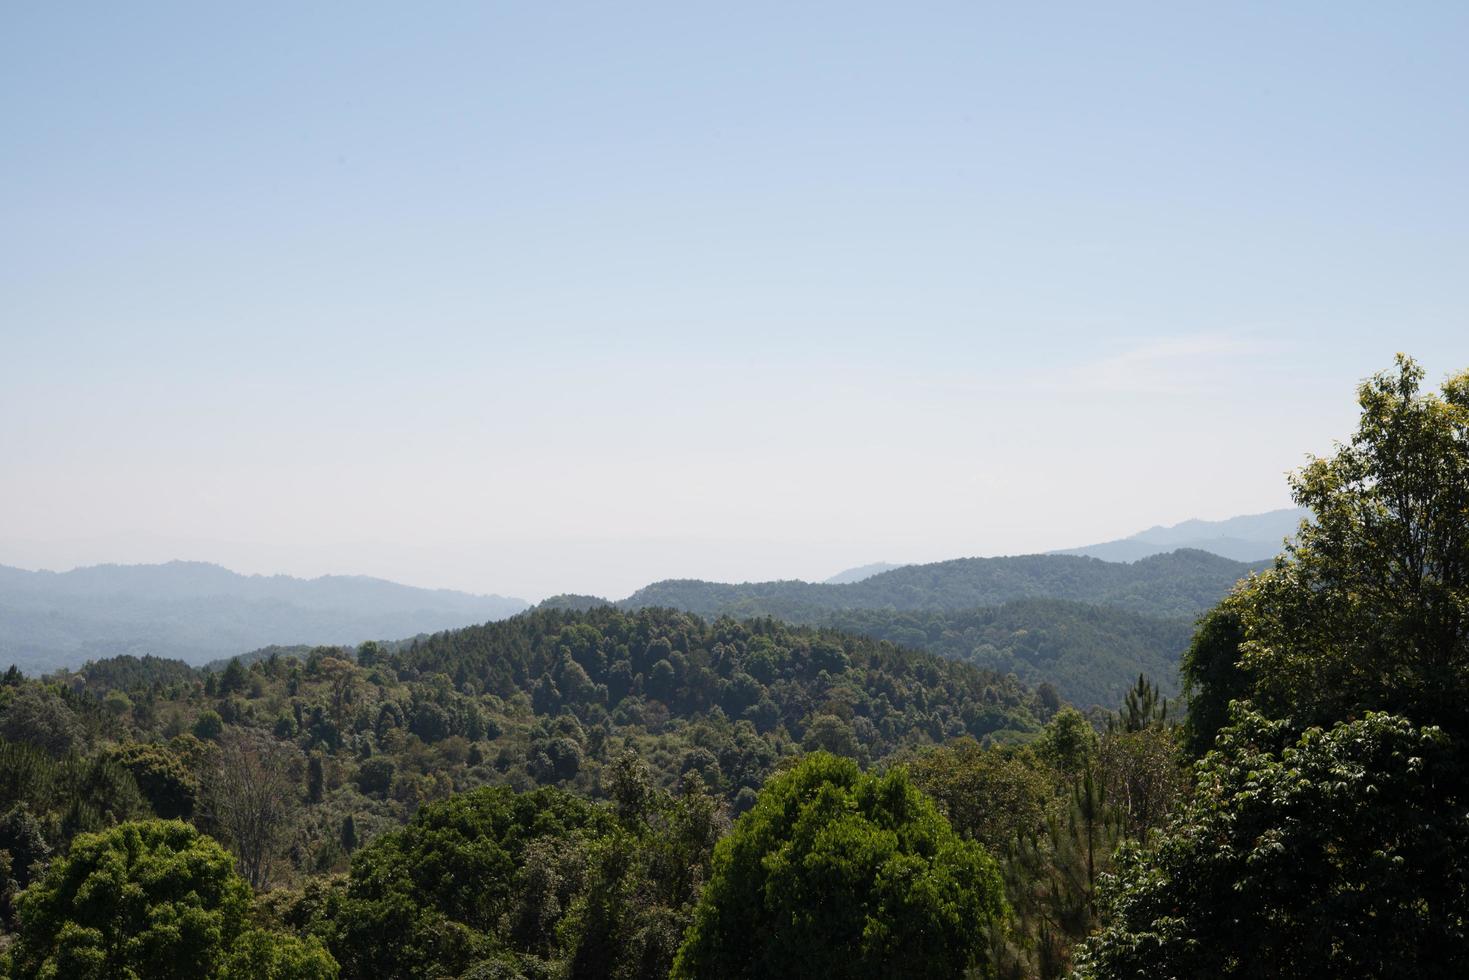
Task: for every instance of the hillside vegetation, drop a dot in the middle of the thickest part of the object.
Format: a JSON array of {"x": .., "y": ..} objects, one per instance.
[
  {"x": 1179, "y": 584},
  {"x": 618, "y": 794}
]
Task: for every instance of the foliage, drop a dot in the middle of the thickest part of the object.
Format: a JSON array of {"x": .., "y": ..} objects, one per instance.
[
  {"x": 1090, "y": 653},
  {"x": 990, "y": 795},
  {"x": 840, "y": 874},
  {"x": 154, "y": 899},
  {"x": 1212, "y": 676},
  {"x": 168, "y": 785},
  {"x": 530, "y": 881},
  {"x": 1340, "y": 852},
  {"x": 1181, "y": 583},
  {"x": 1369, "y": 610}
]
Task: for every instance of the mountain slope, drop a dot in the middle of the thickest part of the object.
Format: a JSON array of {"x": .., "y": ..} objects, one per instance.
[
  {"x": 197, "y": 612},
  {"x": 1252, "y": 537},
  {"x": 1090, "y": 654},
  {"x": 1182, "y": 583}
]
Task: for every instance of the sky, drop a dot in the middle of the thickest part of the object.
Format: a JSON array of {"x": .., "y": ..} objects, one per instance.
[{"x": 534, "y": 298}]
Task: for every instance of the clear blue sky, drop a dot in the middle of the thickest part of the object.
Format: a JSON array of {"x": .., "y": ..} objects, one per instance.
[{"x": 538, "y": 297}]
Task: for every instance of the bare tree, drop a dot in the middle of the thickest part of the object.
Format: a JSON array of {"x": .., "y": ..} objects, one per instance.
[{"x": 253, "y": 796}]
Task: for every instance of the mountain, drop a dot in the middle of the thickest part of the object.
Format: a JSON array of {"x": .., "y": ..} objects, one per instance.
[
  {"x": 1253, "y": 537},
  {"x": 861, "y": 572},
  {"x": 1180, "y": 583},
  {"x": 196, "y": 612},
  {"x": 1086, "y": 626},
  {"x": 1090, "y": 654}
]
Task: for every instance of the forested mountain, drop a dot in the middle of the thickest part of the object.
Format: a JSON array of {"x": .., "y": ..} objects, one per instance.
[
  {"x": 1182, "y": 583},
  {"x": 1090, "y": 654},
  {"x": 197, "y": 612},
  {"x": 1250, "y": 538},
  {"x": 1084, "y": 626},
  {"x": 608, "y": 793}
]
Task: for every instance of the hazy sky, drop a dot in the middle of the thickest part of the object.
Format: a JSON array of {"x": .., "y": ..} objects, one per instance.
[{"x": 542, "y": 297}]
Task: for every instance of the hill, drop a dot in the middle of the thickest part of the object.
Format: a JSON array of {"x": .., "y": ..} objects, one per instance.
[
  {"x": 1090, "y": 654},
  {"x": 1253, "y": 537},
  {"x": 1182, "y": 583},
  {"x": 196, "y": 612}
]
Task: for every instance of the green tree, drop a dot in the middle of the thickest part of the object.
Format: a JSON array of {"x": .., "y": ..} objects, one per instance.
[
  {"x": 154, "y": 898},
  {"x": 233, "y": 679},
  {"x": 991, "y": 795},
  {"x": 162, "y": 777},
  {"x": 1212, "y": 676},
  {"x": 1340, "y": 852},
  {"x": 429, "y": 899},
  {"x": 208, "y": 726},
  {"x": 839, "y": 874},
  {"x": 1369, "y": 609},
  {"x": 1143, "y": 707}
]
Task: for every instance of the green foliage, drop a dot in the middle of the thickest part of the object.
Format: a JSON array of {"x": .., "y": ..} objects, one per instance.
[
  {"x": 1143, "y": 708},
  {"x": 993, "y": 796},
  {"x": 1212, "y": 676},
  {"x": 208, "y": 726},
  {"x": 261, "y": 955},
  {"x": 1182, "y": 583},
  {"x": 1340, "y": 852},
  {"x": 70, "y": 795},
  {"x": 1370, "y": 609},
  {"x": 167, "y": 784},
  {"x": 1088, "y": 653},
  {"x": 38, "y": 715},
  {"x": 430, "y": 897},
  {"x": 840, "y": 874},
  {"x": 154, "y": 899},
  {"x": 528, "y": 883}
]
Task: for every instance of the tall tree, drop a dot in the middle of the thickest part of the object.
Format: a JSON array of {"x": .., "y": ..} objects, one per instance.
[
  {"x": 839, "y": 874},
  {"x": 253, "y": 797},
  {"x": 1369, "y": 608},
  {"x": 155, "y": 899}
]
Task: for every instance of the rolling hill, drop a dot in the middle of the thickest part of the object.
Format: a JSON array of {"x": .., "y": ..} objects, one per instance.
[{"x": 197, "y": 612}]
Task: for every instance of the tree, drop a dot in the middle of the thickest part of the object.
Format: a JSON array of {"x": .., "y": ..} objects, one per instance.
[
  {"x": 1212, "y": 676},
  {"x": 208, "y": 726},
  {"x": 839, "y": 874},
  {"x": 154, "y": 898},
  {"x": 1052, "y": 879},
  {"x": 38, "y": 716},
  {"x": 1369, "y": 608},
  {"x": 164, "y": 780},
  {"x": 429, "y": 899},
  {"x": 252, "y": 796},
  {"x": 1144, "y": 707},
  {"x": 233, "y": 680},
  {"x": 1340, "y": 852},
  {"x": 989, "y": 795}
]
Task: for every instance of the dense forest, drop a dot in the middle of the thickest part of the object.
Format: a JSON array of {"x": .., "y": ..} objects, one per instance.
[
  {"x": 1180, "y": 583},
  {"x": 1081, "y": 625},
  {"x": 1089, "y": 654},
  {"x": 606, "y": 792}
]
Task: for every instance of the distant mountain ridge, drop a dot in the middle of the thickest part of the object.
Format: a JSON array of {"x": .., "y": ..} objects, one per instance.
[
  {"x": 197, "y": 612},
  {"x": 1250, "y": 538},
  {"x": 1180, "y": 583},
  {"x": 1087, "y": 626}
]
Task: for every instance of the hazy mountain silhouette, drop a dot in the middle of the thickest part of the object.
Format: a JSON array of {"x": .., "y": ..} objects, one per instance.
[
  {"x": 1252, "y": 537},
  {"x": 197, "y": 612}
]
